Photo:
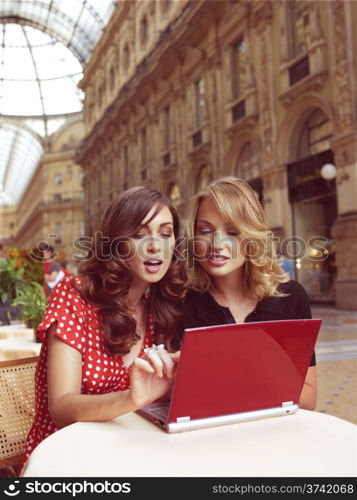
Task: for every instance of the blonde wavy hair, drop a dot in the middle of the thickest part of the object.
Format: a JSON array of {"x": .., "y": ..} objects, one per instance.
[{"x": 239, "y": 205}]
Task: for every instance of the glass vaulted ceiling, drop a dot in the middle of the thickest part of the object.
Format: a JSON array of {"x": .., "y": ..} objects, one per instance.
[
  {"x": 45, "y": 83},
  {"x": 44, "y": 45},
  {"x": 20, "y": 151}
]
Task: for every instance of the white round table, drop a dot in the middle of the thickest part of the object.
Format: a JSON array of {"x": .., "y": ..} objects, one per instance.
[{"x": 307, "y": 444}]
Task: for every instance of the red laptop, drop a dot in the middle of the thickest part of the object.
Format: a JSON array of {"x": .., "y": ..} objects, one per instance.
[{"x": 238, "y": 372}]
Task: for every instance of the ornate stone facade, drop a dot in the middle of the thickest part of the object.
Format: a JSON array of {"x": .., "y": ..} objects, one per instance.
[
  {"x": 343, "y": 65},
  {"x": 163, "y": 106}
]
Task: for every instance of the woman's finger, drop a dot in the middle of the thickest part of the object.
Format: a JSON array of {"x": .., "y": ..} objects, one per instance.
[
  {"x": 155, "y": 360},
  {"x": 168, "y": 364},
  {"x": 142, "y": 365},
  {"x": 175, "y": 356}
]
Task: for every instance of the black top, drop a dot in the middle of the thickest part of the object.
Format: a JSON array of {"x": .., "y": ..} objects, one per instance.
[{"x": 201, "y": 309}]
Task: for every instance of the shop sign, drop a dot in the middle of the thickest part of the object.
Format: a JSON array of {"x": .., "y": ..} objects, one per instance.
[{"x": 305, "y": 180}]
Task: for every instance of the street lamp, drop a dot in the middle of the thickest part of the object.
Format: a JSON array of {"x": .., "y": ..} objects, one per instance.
[{"x": 328, "y": 171}]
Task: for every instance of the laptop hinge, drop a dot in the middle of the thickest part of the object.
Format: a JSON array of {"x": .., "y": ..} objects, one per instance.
[
  {"x": 180, "y": 420},
  {"x": 286, "y": 406}
]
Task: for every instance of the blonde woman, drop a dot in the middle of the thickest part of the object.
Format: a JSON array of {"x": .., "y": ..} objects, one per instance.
[{"x": 234, "y": 271}]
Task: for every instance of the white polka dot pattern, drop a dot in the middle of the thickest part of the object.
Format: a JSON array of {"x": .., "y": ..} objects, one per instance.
[{"x": 79, "y": 326}]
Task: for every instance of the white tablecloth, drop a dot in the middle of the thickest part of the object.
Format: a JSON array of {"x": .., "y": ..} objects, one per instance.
[{"x": 306, "y": 444}]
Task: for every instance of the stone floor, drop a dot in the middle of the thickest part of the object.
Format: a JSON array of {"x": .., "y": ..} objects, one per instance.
[{"x": 336, "y": 354}]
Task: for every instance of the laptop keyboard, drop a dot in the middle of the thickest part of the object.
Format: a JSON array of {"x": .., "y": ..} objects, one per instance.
[{"x": 159, "y": 409}]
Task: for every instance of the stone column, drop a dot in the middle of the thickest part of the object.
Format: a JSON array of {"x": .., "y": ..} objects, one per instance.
[
  {"x": 344, "y": 230},
  {"x": 344, "y": 145},
  {"x": 274, "y": 176},
  {"x": 213, "y": 69},
  {"x": 262, "y": 18},
  {"x": 276, "y": 203}
]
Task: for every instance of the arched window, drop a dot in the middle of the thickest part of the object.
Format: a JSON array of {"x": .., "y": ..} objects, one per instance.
[
  {"x": 204, "y": 177},
  {"x": 143, "y": 31},
  {"x": 199, "y": 103},
  {"x": 58, "y": 179},
  {"x": 299, "y": 26},
  {"x": 126, "y": 57},
  {"x": 167, "y": 127},
  {"x": 101, "y": 95},
  {"x": 239, "y": 68},
  {"x": 315, "y": 136},
  {"x": 112, "y": 77}
]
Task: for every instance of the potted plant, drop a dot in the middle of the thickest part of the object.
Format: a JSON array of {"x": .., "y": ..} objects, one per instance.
[
  {"x": 11, "y": 278},
  {"x": 32, "y": 302}
]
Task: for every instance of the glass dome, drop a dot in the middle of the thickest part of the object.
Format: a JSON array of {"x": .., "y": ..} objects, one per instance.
[
  {"x": 38, "y": 74},
  {"x": 78, "y": 24},
  {"x": 44, "y": 45},
  {"x": 20, "y": 152}
]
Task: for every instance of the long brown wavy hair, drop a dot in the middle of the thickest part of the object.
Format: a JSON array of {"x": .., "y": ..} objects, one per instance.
[{"x": 105, "y": 282}]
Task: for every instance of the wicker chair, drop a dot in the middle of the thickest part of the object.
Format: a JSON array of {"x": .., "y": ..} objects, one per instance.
[{"x": 17, "y": 408}]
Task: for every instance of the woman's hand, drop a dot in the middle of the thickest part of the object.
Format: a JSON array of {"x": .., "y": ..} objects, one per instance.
[
  {"x": 64, "y": 376},
  {"x": 152, "y": 376}
]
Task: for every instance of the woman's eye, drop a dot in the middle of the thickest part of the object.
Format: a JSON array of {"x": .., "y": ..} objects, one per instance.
[
  {"x": 232, "y": 233},
  {"x": 139, "y": 236},
  {"x": 166, "y": 235},
  {"x": 204, "y": 231}
]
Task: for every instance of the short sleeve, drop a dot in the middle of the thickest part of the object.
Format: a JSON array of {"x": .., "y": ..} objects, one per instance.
[{"x": 66, "y": 307}]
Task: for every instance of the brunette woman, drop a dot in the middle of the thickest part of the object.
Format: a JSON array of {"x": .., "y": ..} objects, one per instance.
[
  {"x": 234, "y": 271},
  {"x": 107, "y": 333}
]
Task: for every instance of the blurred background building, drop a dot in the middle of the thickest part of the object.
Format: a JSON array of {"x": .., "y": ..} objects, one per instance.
[{"x": 174, "y": 94}]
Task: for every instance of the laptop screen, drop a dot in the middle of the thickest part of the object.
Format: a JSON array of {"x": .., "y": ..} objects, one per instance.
[{"x": 242, "y": 367}]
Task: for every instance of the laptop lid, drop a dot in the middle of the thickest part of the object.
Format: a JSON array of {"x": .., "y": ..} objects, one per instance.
[{"x": 242, "y": 367}]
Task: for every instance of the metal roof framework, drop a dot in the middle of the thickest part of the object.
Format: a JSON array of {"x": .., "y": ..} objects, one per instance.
[{"x": 44, "y": 45}]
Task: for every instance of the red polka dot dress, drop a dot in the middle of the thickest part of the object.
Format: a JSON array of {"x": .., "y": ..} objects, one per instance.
[{"x": 79, "y": 326}]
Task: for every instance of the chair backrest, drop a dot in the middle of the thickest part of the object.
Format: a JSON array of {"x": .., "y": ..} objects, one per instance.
[{"x": 17, "y": 407}]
